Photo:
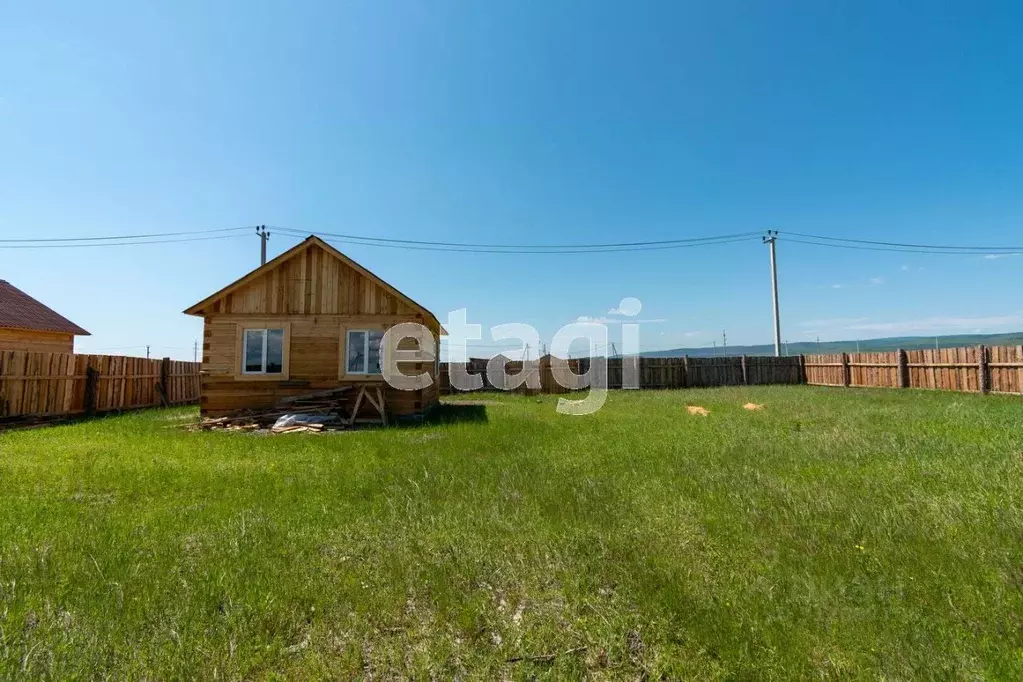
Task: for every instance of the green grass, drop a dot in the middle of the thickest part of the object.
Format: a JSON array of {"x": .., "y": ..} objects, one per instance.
[{"x": 835, "y": 533}]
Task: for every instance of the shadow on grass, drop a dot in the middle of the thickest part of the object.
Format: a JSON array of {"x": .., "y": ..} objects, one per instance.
[{"x": 454, "y": 413}]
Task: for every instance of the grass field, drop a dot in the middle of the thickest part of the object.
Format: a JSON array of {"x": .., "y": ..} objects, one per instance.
[{"x": 834, "y": 533}]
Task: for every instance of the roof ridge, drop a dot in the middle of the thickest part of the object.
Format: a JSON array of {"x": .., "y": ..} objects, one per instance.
[{"x": 19, "y": 310}]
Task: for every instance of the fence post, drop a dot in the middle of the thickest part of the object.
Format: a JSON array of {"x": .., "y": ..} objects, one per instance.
[
  {"x": 91, "y": 383},
  {"x": 802, "y": 379},
  {"x": 163, "y": 388},
  {"x": 903, "y": 369},
  {"x": 983, "y": 380},
  {"x": 745, "y": 373},
  {"x": 846, "y": 374}
]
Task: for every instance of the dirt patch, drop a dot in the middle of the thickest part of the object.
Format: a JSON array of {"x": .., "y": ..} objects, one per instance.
[
  {"x": 752, "y": 406},
  {"x": 697, "y": 410}
]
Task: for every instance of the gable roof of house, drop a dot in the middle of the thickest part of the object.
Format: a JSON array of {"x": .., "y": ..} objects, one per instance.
[
  {"x": 18, "y": 310},
  {"x": 311, "y": 240}
]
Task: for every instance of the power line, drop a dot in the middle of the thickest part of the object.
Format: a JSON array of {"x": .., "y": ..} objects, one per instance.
[
  {"x": 418, "y": 242},
  {"x": 127, "y": 243},
  {"x": 592, "y": 248},
  {"x": 899, "y": 250},
  {"x": 125, "y": 236},
  {"x": 905, "y": 246}
]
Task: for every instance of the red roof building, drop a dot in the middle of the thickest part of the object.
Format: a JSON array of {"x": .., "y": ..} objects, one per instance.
[{"x": 27, "y": 324}]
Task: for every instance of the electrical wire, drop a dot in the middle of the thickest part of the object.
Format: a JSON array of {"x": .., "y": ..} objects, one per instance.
[
  {"x": 126, "y": 243},
  {"x": 418, "y": 242},
  {"x": 907, "y": 246},
  {"x": 593, "y": 248},
  {"x": 897, "y": 250},
  {"x": 474, "y": 247},
  {"x": 126, "y": 236}
]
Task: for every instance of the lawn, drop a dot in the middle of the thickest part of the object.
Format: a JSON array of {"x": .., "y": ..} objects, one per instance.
[{"x": 836, "y": 532}]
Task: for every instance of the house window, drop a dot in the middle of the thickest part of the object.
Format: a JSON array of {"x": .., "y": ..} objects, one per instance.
[
  {"x": 363, "y": 351},
  {"x": 263, "y": 351}
]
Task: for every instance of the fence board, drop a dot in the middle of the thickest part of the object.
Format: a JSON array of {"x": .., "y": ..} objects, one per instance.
[
  {"x": 53, "y": 384},
  {"x": 951, "y": 369},
  {"x": 824, "y": 370},
  {"x": 658, "y": 373},
  {"x": 1004, "y": 377}
]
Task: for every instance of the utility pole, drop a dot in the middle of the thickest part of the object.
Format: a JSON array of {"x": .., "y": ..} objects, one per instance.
[
  {"x": 786, "y": 347},
  {"x": 147, "y": 352},
  {"x": 770, "y": 239},
  {"x": 195, "y": 350},
  {"x": 724, "y": 342},
  {"x": 263, "y": 237},
  {"x": 614, "y": 350}
]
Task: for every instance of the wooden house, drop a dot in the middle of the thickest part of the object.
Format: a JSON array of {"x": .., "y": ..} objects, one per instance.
[
  {"x": 307, "y": 321},
  {"x": 26, "y": 324}
]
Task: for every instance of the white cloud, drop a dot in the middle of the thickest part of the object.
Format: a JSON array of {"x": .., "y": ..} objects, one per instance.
[
  {"x": 940, "y": 324},
  {"x": 904, "y": 268},
  {"x": 611, "y": 320},
  {"x": 836, "y": 286},
  {"x": 876, "y": 281},
  {"x": 628, "y": 307},
  {"x": 997, "y": 256},
  {"x": 833, "y": 322}
]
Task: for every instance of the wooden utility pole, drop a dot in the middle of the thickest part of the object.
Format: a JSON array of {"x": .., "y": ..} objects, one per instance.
[
  {"x": 770, "y": 239},
  {"x": 263, "y": 237}
]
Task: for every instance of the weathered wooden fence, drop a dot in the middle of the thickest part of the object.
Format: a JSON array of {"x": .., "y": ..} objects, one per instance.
[
  {"x": 977, "y": 370},
  {"x": 57, "y": 384},
  {"x": 653, "y": 373}
]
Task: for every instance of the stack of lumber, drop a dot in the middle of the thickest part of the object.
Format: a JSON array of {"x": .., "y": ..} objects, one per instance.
[{"x": 329, "y": 404}]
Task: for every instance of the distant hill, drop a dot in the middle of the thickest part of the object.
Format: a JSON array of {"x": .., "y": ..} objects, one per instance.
[{"x": 865, "y": 345}]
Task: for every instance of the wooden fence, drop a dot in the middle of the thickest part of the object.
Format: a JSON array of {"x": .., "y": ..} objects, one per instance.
[
  {"x": 58, "y": 384},
  {"x": 653, "y": 373},
  {"x": 976, "y": 370},
  {"x": 979, "y": 370}
]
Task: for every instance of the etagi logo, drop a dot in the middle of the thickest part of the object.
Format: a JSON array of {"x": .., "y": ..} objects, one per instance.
[{"x": 397, "y": 350}]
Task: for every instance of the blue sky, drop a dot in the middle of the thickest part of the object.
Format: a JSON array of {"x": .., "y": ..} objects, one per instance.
[{"x": 522, "y": 122}]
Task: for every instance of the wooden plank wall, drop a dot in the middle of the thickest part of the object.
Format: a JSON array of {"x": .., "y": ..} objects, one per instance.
[
  {"x": 974, "y": 369},
  {"x": 312, "y": 282},
  {"x": 54, "y": 384},
  {"x": 874, "y": 369},
  {"x": 769, "y": 370},
  {"x": 663, "y": 373},
  {"x": 36, "y": 341},
  {"x": 183, "y": 382},
  {"x": 824, "y": 370},
  {"x": 947, "y": 369},
  {"x": 1005, "y": 364}
]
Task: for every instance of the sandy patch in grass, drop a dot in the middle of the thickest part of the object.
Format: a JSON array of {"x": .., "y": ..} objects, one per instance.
[
  {"x": 697, "y": 410},
  {"x": 752, "y": 406}
]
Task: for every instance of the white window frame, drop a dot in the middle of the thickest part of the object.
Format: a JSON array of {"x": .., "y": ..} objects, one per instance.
[
  {"x": 365, "y": 351},
  {"x": 265, "y": 331}
]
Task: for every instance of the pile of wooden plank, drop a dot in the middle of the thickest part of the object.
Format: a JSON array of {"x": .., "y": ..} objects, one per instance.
[{"x": 327, "y": 404}]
